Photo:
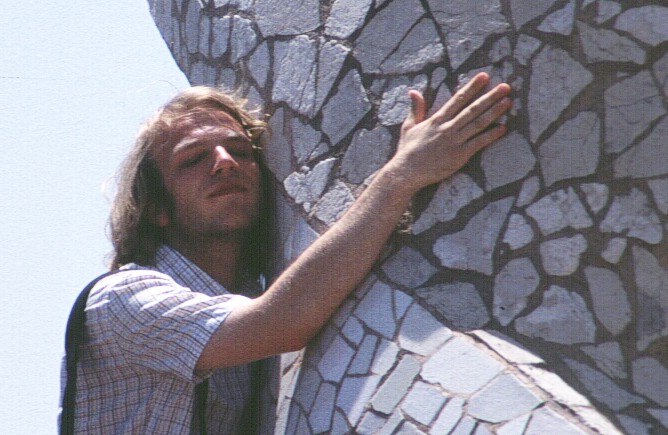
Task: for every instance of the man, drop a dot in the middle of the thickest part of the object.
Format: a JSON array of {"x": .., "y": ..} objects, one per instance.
[{"x": 185, "y": 306}]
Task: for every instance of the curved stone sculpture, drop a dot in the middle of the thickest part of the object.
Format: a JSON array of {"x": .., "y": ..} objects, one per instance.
[{"x": 530, "y": 295}]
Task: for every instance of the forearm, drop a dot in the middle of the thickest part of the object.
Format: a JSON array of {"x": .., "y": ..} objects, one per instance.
[{"x": 309, "y": 291}]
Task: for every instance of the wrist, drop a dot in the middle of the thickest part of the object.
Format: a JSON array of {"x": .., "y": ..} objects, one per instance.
[{"x": 397, "y": 180}]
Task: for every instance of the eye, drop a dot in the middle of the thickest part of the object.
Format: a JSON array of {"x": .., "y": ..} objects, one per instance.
[
  {"x": 243, "y": 154},
  {"x": 191, "y": 161},
  {"x": 241, "y": 151}
]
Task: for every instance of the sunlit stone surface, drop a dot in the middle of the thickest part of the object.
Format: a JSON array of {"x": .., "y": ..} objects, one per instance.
[{"x": 530, "y": 294}]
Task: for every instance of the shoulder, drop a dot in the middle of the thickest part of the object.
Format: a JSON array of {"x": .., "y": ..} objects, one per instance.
[{"x": 130, "y": 283}]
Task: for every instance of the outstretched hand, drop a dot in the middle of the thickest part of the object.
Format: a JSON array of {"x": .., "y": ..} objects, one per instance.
[{"x": 432, "y": 149}]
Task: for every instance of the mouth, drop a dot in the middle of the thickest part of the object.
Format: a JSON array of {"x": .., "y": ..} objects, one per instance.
[{"x": 227, "y": 189}]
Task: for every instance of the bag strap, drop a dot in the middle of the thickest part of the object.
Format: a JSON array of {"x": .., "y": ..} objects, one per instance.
[
  {"x": 201, "y": 394},
  {"x": 74, "y": 336}
]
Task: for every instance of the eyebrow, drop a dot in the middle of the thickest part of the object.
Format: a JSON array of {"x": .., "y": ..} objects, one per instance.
[{"x": 231, "y": 136}]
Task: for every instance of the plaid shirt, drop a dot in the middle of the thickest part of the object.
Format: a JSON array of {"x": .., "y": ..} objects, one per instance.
[{"x": 145, "y": 330}]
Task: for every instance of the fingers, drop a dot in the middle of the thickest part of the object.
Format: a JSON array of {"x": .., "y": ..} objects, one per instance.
[
  {"x": 477, "y": 118},
  {"x": 486, "y": 138},
  {"x": 462, "y": 98}
]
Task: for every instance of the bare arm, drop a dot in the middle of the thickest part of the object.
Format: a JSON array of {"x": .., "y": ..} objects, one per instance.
[{"x": 303, "y": 298}]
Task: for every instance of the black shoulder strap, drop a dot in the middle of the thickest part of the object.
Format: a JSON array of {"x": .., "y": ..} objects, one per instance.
[{"x": 74, "y": 335}]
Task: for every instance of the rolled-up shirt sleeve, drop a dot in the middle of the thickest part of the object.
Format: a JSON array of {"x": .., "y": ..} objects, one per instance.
[{"x": 150, "y": 323}]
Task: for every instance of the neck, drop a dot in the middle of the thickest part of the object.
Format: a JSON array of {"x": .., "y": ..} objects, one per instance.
[{"x": 218, "y": 258}]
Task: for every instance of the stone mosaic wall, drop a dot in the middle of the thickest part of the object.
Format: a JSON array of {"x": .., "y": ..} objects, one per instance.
[{"x": 530, "y": 295}]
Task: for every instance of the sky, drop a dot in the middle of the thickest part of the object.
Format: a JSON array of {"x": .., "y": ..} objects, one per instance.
[{"x": 77, "y": 79}]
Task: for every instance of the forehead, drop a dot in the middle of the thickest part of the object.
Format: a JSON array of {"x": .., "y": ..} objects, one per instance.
[
  {"x": 197, "y": 127},
  {"x": 206, "y": 122}
]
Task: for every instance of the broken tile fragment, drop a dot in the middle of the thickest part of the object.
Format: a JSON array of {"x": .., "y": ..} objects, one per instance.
[
  {"x": 559, "y": 210},
  {"x": 451, "y": 196},
  {"x": 631, "y": 105},
  {"x": 518, "y": 233},
  {"x": 632, "y": 215},
  {"x": 602, "y": 387},
  {"x": 573, "y": 151},
  {"x": 561, "y": 257},
  {"x": 653, "y": 27},
  {"x": 460, "y": 303},
  {"x": 467, "y": 25},
  {"x": 473, "y": 247},
  {"x": 460, "y": 367},
  {"x": 512, "y": 286},
  {"x": 503, "y": 399},
  {"x": 609, "y": 298},
  {"x": 508, "y": 160},
  {"x": 556, "y": 78},
  {"x": 604, "y": 45},
  {"x": 563, "y": 318}
]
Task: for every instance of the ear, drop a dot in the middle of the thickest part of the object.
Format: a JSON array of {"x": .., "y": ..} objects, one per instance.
[
  {"x": 161, "y": 219},
  {"x": 158, "y": 216}
]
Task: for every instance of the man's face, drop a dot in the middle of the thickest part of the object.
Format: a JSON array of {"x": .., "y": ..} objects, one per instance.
[{"x": 211, "y": 172}]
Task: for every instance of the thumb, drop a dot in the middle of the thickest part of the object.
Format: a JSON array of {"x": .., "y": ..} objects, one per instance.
[{"x": 418, "y": 110}]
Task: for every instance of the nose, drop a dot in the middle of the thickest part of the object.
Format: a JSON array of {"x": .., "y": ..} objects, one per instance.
[{"x": 223, "y": 160}]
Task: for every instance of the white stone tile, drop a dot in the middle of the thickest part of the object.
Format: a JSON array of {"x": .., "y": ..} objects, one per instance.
[
  {"x": 609, "y": 358},
  {"x": 396, "y": 385},
  {"x": 336, "y": 359},
  {"x": 650, "y": 378},
  {"x": 632, "y": 214},
  {"x": 464, "y": 39},
  {"x": 545, "y": 421},
  {"x": 559, "y": 210},
  {"x": 376, "y": 310},
  {"x": 370, "y": 424},
  {"x": 423, "y": 403},
  {"x": 409, "y": 268},
  {"x": 615, "y": 249},
  {"x": 514, "y": 427},
  {"x": 508, "y": 160},
  {"x": 353, "y": 330},
  {"x": 518, "y": 233},
  {"x": 561, "y": 257},
  {"x": 345, "y": 108},
  {"x": 346, "y": 16},
  {"x": 602, "y": 387},
  {"x": 609, "y": 298},
  {"x": 354, "y": 396},
  {"x": 508, "y": 348},
  {"x": 421, "y": 333},
  {"x": 512, "y": 286},
  {"x": 563, "y": 317},
  {"x": 460, "y": 303},
  {"x": 386, "y": 357},
  {"x": 451, "y": 413},
  {"x": 647, "y": 23},
  {"x": 573, "y": 150},
  {"x": 461, "y": 367},
  {"x": 604, "y": 45},
  {"x": 320, "y": 415},
  {"x": 555, "y": 386},
  {"x": 560, "y": 21},
  {"x": 472, "y": 248},
  {"x": 450, "y": 197},
  {"x": 363, "y": 357},
  {"x": 504, "y": 399}
]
